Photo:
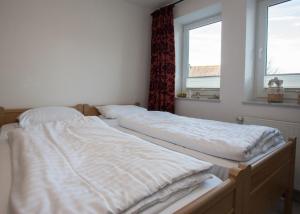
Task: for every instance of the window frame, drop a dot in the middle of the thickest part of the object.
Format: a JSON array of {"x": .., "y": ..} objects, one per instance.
[
  {"x": 261, "y": 50},
  {"x": 185, "y": 62}
]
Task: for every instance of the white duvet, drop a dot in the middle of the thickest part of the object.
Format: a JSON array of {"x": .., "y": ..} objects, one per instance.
[
  {"x": 85, "y": 166},
  {"x": 225, "y": 140}
]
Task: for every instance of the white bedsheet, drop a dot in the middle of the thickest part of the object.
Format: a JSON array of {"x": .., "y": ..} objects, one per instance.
[
  {"x": 225, "y": 140},
  {"x": 85, "y": 165}
]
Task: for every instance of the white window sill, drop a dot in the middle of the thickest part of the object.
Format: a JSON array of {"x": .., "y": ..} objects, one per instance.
[
  {"x": 210, "y": 100},
  {"x": 265, "y": 103}
]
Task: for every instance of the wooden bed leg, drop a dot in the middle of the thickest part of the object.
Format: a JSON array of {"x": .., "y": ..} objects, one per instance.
[
  {"x": 288, "y": 202},
  {"x": 243, "y": 189},
  {"x": 288, "y": 197}
]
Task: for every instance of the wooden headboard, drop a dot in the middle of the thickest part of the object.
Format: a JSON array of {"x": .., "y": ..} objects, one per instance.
[
  {"x": 11, "y": 115},
  {"x": 89, "y": 110}
]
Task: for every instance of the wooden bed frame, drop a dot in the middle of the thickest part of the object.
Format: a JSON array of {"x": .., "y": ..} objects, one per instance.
[
  {"x": 249, "y": 189},
  {"x": 270, "y": 179},
  {"x": 259, "y": 185}
]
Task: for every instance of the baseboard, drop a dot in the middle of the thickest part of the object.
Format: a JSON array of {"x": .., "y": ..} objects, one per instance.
[{"x": 296, "y": 195}]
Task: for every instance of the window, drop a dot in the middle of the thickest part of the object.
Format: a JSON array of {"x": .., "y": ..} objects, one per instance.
[
  {"x": 278, "y": 43},
  {"x": 202, "y": 54}
]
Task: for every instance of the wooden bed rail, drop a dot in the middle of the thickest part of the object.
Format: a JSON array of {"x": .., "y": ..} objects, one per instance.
[
  {"x": 252, "y": 189},
  {"x": 226, "y": 198},
  {"x": 271, "y": 178},
  {"x": 11, "y": 115}
]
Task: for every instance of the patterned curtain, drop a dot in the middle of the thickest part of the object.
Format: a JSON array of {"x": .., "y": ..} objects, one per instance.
[{"x": 162, "y": 76}]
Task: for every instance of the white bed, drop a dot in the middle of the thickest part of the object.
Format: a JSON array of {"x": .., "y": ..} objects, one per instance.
[
  {"x": 169, "y": 206},
  {"x": 221, "y": 166}
]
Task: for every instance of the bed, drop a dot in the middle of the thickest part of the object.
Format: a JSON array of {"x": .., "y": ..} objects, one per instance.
[
  {"x": 270, "y": 175},
  {"x": 212, "y": 196},
  {"x": 221, "y": 166}
]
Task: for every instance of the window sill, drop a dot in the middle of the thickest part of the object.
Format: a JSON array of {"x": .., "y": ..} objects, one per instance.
[
  {"x": 210, "y": 100},
  {"x": 265, "y": 103}
]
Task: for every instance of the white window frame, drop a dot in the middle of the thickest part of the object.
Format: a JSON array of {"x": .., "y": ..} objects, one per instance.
[
  {"x": 261, "y": 53},
  {"x": 208, "y": 83}
]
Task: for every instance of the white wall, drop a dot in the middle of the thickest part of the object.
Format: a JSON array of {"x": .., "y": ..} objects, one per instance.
[
  {"x": 233, "y": 72},
  {"x": 63, "y": 52}
]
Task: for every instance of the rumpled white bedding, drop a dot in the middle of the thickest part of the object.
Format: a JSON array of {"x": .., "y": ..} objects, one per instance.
[
  {"x": 5, "y": 129},
  {"x": 85, "y": 166},
  {"x": 225, "y": 140}
]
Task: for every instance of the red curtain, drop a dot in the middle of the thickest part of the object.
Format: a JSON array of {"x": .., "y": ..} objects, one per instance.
[{"x": 162, "y": 76}]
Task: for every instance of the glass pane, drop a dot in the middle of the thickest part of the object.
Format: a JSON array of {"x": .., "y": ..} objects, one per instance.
[
  {"x": 284, "y": 38},
  {"x": 289, "y": 81},
  {"x": 207, "y": 82},
  {"x": 205, "y": 50}
]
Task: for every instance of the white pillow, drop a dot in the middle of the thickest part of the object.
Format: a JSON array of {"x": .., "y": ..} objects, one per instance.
[
  {"x": 116, "y": 111},
  {"x": 48, "y": 114}
]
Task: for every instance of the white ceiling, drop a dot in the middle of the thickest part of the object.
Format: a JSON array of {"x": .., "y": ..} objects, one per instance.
[{"x": 150, "y": 3}]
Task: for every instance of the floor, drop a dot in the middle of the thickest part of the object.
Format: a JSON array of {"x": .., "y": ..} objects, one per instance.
[
  {"x": 279, "y": 209},
  {"x": 296, "y": 208}
]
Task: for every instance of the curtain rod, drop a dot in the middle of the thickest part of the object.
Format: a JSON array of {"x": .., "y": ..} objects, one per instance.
[{"x": 175, "y": 3}]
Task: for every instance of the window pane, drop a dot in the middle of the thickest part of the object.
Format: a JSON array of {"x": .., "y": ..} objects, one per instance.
[
  {"x": 207, "y": 82},
  {"x": 205, "y": 51},
  {"x": 284, "y": 38}
]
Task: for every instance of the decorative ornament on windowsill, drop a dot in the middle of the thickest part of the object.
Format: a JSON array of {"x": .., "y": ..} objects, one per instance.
[
  {"x": 182, "y": 95},
  {"x": 196, "y": 95},
  {"x": 275, "y": 91}
]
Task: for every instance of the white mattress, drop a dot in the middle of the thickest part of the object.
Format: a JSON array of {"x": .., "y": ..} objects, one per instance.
[
  {"x": 168, "y": 206},
  {"x": 221, "y": 165}
]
